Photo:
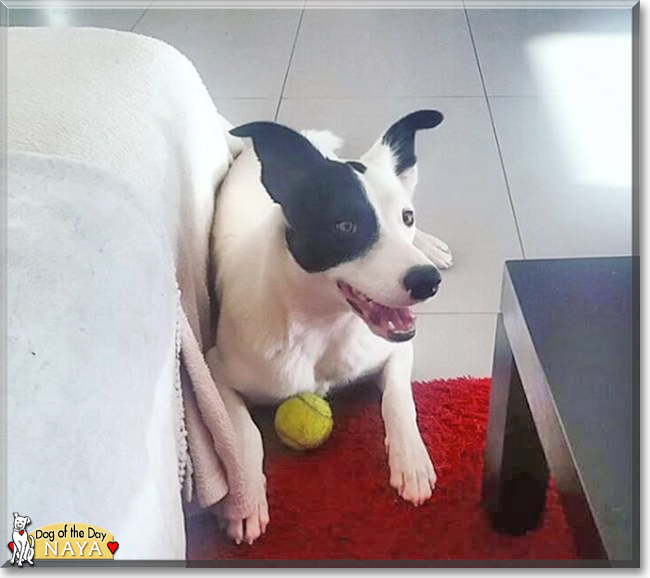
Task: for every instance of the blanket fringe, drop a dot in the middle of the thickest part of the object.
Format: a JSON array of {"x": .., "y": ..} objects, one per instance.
[{"x": 182, "y": 449}]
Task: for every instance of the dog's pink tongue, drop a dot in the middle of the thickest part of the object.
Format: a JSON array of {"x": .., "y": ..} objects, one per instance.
[
  {"x": 393, "y": 323},
  {"x": 392, "y": 320}
]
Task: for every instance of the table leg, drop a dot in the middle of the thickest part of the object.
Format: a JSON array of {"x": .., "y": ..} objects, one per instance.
[{"x": 515, "y": 474}]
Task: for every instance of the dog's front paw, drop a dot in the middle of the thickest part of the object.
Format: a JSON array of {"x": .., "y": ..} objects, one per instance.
[
  {"x": 411, "y": 470},
  {"x": 251, "y": 528},
  {"x": 436, "y": 250}
]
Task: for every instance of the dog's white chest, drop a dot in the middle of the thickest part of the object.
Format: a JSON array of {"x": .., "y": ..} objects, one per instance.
[
  {"x": 311, "y": 358},
  {"x": 354, "y": 354}
]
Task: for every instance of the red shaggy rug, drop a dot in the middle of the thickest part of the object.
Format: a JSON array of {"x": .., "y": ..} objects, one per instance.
[{"x": 335, "y": 503}]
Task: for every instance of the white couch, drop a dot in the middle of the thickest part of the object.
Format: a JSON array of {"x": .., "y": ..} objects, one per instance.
[{"x": 115, "y": 151}]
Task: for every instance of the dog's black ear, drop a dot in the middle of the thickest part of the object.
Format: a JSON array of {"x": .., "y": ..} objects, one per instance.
[
  {"x": 400, "y": 138},
  {"x": 397, "y": 145},
  {"x": 15, "y": 514},
  {"x": 287, "y": 157},
  {"x": 357, "y": 166},
  {"x": 28, "y": 520}
]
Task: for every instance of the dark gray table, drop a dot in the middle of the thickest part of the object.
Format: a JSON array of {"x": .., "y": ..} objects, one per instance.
[{"x": 565, "y": 399}]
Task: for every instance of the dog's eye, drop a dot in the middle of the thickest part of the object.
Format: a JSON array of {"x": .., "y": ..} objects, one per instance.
[
  {"x": 408, "y": 217},
  {"x": 346, "y": 227}
]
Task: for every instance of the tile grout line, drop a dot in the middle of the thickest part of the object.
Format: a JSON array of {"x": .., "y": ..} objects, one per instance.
[
  {"x": 496, "y": 136},
  {"x": 388, "y": 97},
  {"x": 286, "y": 75},
  {"x": 141, "y": 17}
]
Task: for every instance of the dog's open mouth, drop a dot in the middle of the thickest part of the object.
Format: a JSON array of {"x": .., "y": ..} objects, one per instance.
[{"x": 391, "y": 323}]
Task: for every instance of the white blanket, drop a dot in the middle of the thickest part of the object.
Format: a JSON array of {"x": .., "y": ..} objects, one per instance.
[
  {"x": 116, "y": 152},
  {"x": 91, "y": 414}
]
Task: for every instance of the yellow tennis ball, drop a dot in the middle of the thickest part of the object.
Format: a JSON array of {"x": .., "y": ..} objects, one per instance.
[{"x": 304, "y": 422}]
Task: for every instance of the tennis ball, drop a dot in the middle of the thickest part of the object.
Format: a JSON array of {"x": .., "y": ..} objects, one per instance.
[{"x": 304, "y": 422}]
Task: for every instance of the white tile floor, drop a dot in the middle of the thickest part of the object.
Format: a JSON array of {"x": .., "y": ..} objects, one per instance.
[{"x": 533, "y": 159}]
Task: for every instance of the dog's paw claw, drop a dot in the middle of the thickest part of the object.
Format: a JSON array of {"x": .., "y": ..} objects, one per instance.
[
  {"x": 443, "y": 260},
  {"x": 256, "y": 524},
  {"x": 249, "y": 529},
  {"x": 411, "y": 471}
]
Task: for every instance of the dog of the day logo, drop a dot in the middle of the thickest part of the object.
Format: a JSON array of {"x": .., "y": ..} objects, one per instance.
[
  {"x": 68, "y": 541},
  {"x": 22, "y": 544}
]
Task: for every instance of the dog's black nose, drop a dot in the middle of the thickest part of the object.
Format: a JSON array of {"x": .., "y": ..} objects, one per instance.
[{"x": 422, "y": 282}]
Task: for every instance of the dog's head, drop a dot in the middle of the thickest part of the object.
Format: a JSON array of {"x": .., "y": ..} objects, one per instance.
[
  {"x": 20, "y": 522},
  {"x": 353, "y": 222}
]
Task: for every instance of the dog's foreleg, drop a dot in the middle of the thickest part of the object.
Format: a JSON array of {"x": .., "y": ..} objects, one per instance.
[
  {"x": 251, "y": 450},
  {"x": 30, "y": 550},
  {"x": 411, "y": 470},
  {"x": 434, "y": 249},
  {"x": 13, "y": 555}
]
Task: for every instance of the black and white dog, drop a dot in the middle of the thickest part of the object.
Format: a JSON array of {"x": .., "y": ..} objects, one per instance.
[{"x": 319, "y": 262}]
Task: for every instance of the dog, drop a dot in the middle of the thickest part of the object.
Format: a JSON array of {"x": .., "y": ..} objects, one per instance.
[
  {"x": 23, "y": 550},
  {"x": 318, "y": 262}
]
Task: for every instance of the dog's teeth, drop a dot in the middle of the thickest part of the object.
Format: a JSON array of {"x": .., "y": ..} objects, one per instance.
[{"x": 391, "y": 326}]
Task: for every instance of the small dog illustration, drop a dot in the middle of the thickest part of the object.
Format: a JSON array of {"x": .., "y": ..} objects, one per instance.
[{"x": 23, "y": 550}]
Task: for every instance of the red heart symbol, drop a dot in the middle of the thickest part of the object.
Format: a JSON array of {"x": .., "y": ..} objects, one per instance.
[
  {"x": 11, "y": 546},
  {"x": 21, "y": 532},
  {"x": 112, "y": 546}
]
